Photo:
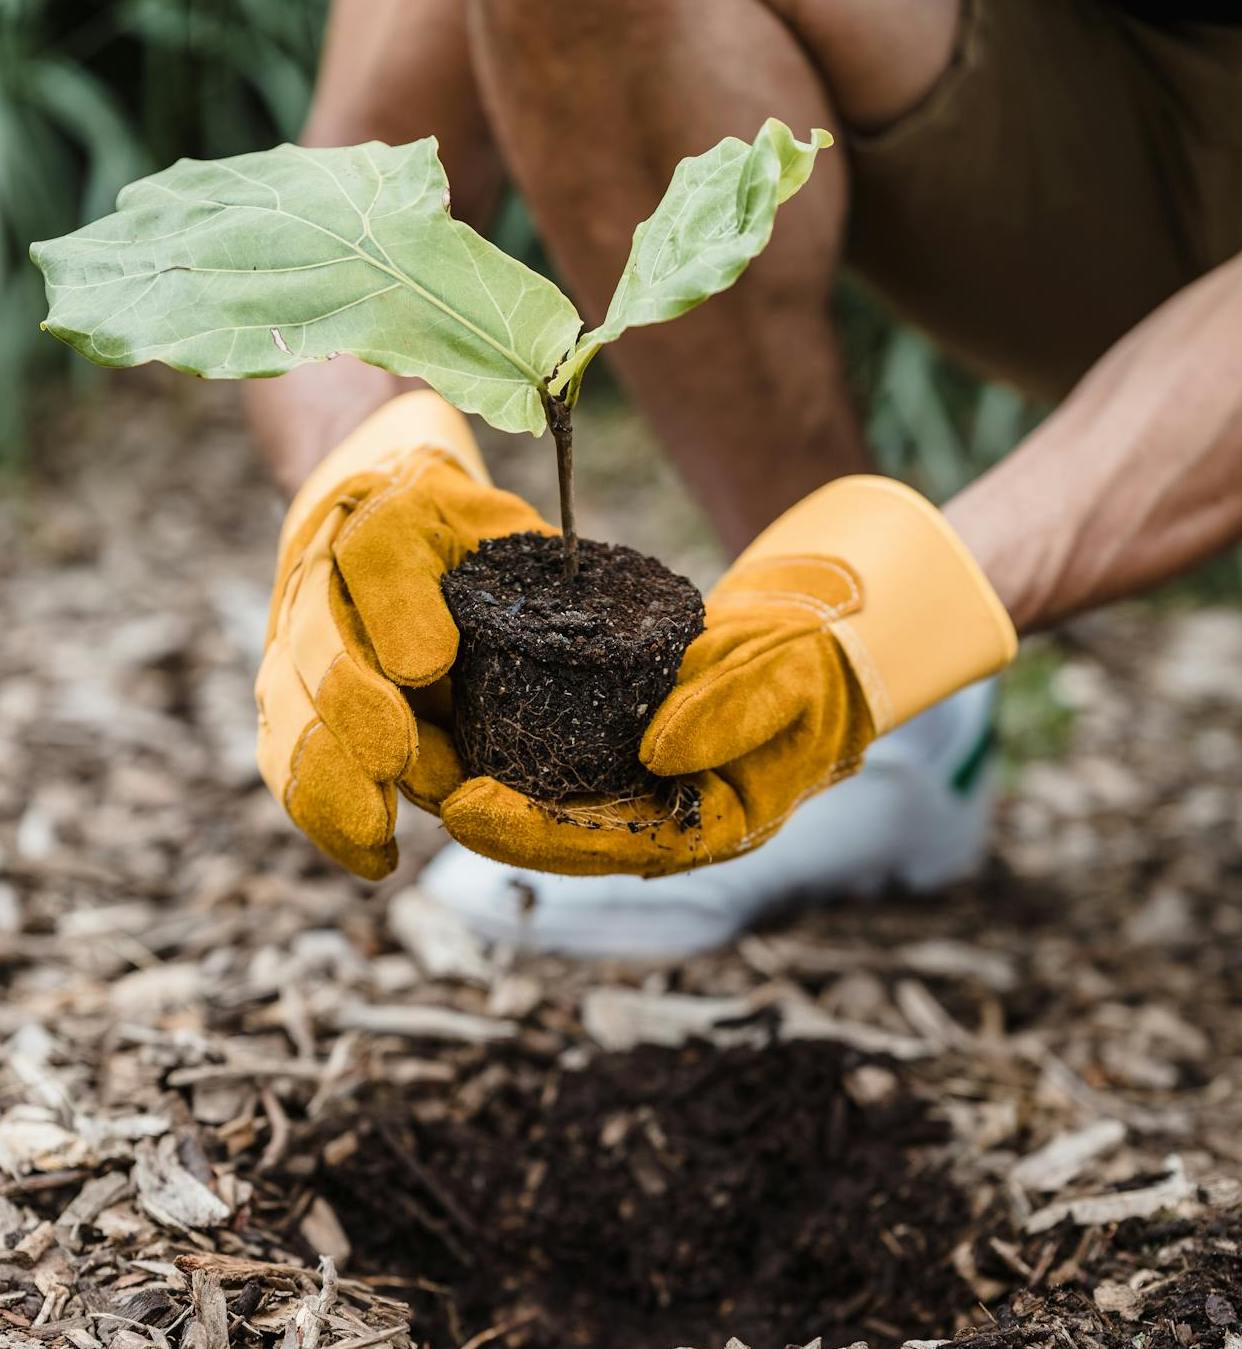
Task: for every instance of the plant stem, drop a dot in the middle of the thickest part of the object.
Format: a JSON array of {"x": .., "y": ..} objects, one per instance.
[{"x": 560, "y": 423}]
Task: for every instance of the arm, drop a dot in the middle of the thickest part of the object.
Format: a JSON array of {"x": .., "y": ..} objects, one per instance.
[
  {"x": 392, "y": 70},
  {"x": 1135, "y": 478}
]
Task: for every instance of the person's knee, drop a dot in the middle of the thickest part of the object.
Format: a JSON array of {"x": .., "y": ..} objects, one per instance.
[{"x": 879, "y": 58}]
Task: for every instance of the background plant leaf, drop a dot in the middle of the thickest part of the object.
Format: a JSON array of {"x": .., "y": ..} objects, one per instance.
[
  {"x": 715, "y": 217},
  {"x": 249, "y": 266}
]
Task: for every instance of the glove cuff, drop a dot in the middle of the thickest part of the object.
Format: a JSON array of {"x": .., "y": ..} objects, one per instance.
[
  {"x": 926, "y": 621},
  {"x": 408, "y": 424}
]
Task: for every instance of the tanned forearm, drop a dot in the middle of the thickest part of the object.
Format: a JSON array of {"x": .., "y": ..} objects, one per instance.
[{"x": 1137, "y": 476}]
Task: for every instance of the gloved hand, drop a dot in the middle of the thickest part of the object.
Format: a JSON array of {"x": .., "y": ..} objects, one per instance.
[
  {"x": 357, "y": 618},
  {"x": 854, "y": 611}
]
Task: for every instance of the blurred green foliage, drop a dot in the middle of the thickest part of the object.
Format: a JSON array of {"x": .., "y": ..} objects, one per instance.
[{"x": 94, "y": 93}]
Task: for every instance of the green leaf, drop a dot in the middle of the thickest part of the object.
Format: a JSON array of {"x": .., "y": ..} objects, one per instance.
[
  {"x": 249, "y": 266},
  {"x": 715, "y": 217}
]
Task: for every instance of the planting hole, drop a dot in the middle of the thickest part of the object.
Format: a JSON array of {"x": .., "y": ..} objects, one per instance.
[{"x": 659, "y": 1197}]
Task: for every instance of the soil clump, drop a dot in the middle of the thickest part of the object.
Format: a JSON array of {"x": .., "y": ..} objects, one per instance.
[{"x": 556, "y": 679}]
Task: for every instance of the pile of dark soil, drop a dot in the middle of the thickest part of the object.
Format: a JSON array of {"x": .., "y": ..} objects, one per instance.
[
  {"x": 663, "y": 1197},
  {"x": 556, "y": 679}
]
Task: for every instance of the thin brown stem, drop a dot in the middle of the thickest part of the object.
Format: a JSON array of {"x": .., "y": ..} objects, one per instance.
[{"x": 560, "y": 423}]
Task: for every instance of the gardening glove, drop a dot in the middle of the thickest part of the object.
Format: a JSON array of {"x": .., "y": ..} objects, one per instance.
[
  {"x": 358, "y": 623},
  {"x": 853, "y": 612}
]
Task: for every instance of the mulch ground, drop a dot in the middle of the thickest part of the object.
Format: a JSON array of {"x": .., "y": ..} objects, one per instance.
[{"x": 245, "y": 1100}]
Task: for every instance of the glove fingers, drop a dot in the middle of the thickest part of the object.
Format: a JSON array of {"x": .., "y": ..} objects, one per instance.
[
  {"x": 340, "y": 809},
  {"x": 394, "y": 550},
  {"x": 731, "y": 702},
  {"x": 321, "y": 785},
  {"x": 337, "y": 666},
  {"x": 594, "y": 838},
  {"x": 773, "y": 780},
  {"x": 391, "y": 556},
  {"x": 435, "y": 771}
]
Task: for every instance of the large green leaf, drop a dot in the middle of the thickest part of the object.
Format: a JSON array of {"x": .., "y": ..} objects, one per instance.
[
  {"x": 249, "y": 266},
  {"x": 715, "y": 217}
]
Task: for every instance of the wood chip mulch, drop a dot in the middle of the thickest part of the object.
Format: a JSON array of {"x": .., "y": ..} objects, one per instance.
[{"x": 246, "y": 1101}]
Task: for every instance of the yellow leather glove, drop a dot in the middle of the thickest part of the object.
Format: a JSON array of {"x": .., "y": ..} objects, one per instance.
[
  {"x": 854, "y": 611},
  {"x": 357, "y": 618}
]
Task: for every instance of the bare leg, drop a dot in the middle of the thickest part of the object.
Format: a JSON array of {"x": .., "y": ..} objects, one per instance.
[{"x": 595, "y": 105}]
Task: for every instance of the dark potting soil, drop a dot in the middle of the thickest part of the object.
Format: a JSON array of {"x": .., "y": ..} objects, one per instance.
[
  {"x": 660, "y": 1197},
  {"x": 555, "y": 679}
]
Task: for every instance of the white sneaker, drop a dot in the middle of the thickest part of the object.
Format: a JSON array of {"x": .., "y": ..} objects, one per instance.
[{"x": 918, "y": 814}]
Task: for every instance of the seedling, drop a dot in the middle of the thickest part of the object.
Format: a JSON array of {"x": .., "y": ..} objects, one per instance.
[{"x": 243, "y": 268}]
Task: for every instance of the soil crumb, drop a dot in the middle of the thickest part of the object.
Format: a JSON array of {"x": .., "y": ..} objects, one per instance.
[
  {"x": 663, "y": 1197},
  {"x": 556, "y": 680}
]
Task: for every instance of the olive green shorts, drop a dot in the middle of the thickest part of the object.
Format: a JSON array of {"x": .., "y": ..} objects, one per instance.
[{"x": 1071, "y": 169}]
